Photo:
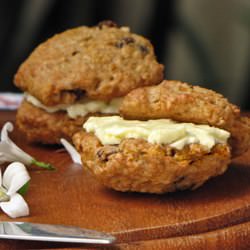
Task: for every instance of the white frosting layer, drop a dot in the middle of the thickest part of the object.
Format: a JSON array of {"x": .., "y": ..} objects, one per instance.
[
  {"x": 81, "y": 108},
  {"x": 113, "y": 129}
]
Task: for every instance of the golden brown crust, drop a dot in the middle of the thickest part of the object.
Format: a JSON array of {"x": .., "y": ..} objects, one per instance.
[
  {"x": 47, "y": 128},
  {"x": 181, "y": 102},
  {"x": 136, "y": 165},
  {"x": 100, "y": 62}
]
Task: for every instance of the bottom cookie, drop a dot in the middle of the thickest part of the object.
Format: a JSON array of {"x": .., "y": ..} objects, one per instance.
[
  {"x": 40, "y": 126},
  {"x": 136, "y": 165}
]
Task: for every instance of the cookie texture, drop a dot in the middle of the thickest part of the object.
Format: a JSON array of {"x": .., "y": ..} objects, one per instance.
[
  {"x": 40, "y": 126},
  {"x": 186, "y": 103},
  {"x": 101, "y": 62},
  {"x": 136, "y": 165},
  {"x": 181, "y": 102}
]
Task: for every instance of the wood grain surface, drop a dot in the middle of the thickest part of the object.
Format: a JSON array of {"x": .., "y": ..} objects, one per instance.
[{"x": 216, "y": 216}]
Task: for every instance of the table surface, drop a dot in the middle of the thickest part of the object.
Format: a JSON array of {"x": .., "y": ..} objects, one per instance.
[{"x": 215, "y": 216}]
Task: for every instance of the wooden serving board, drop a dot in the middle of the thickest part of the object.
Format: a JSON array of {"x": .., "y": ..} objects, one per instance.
[{"x": 216, "y": 215}]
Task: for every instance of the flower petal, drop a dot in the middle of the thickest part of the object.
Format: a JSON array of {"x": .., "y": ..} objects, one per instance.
[
  {"x": 14, "y": 177},
  {"x": 15, "y": 150},
  {"x": 3, "y": 195},
  {"x": 75, "y": 156},
  {"x": 2, "y": 158},
  {"x": 7, "y": 127},
  {"x": 16, "y": 207},
  {"x": 6, "y": 154}
]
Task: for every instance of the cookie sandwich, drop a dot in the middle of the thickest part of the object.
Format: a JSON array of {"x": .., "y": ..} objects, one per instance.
[
  {"x": 170, "y": 137},
  {"x": 81, "y": 72}
]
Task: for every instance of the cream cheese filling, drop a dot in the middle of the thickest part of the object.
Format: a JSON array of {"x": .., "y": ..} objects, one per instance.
[
  {"x": 113, "y": 129},
  {"x": 80, "y": 108}
]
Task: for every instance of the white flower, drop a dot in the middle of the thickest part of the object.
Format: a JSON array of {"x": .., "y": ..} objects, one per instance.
[
  {"x": 75, "y": 156},
  {"x": 11, "y": 202},
  {"x": 10, "y": 152}
]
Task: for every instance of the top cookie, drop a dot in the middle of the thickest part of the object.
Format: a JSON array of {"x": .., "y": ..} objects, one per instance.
[
  {"x": 181, "y": 102},
  {"x": 101, "y": 62}
]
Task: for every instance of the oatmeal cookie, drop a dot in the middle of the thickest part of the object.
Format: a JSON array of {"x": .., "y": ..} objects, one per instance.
[
  {"x": 125, "y": 160},
  {"x": 101, "y": 62},
  {"x": 181, "y": 102},
  {"x": 136, "y": 165}
]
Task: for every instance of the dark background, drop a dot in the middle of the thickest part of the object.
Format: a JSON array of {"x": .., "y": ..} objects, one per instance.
[{"x": 203, "y": 42}]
